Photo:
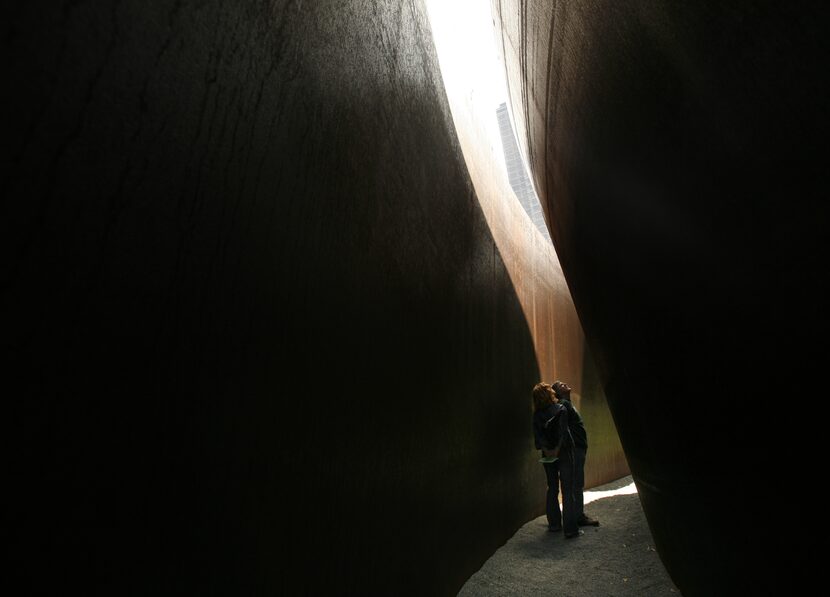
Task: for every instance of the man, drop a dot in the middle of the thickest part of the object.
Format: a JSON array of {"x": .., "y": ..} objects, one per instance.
[{"x": 572, "y": 464}]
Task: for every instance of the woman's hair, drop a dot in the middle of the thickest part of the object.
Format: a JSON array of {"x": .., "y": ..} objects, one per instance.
[{"x": 542, "y": 396}]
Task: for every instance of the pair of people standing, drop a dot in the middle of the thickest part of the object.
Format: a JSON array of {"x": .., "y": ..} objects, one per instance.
[{"x": 560, "y": 433}]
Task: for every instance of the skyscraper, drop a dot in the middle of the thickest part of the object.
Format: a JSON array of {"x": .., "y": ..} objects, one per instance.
[{"x": 517, "y": 172}]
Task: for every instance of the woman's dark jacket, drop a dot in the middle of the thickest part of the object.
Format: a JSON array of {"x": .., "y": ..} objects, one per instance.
[{"x": 550, "y": 427}]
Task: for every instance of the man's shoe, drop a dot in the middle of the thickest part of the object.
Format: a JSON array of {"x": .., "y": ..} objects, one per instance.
[
  {"x": 579, "y": 533},
  {"x": 587, "y": 521},
  {"x": 553, "y": 529}
]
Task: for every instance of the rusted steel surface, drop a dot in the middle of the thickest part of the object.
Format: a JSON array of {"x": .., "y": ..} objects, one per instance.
[
  {"x": 262, "y": 337},
  {"x": 674, "y": 147},
  {"x": 530, "y": 261}
]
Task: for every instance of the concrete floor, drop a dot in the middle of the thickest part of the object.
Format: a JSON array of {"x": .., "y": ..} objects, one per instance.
[{"x": 616, "y": 558}]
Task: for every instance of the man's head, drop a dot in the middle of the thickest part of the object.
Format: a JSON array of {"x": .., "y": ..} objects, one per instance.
[{"x": 561, "y": 389}]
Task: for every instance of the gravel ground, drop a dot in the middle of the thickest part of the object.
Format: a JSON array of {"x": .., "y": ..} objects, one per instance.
[{"x": 616, "y": 558}]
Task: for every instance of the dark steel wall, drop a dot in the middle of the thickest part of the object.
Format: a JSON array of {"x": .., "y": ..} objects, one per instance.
[
  {"x": 676, "y": 147},
  {"x": 261, "y": 337}
]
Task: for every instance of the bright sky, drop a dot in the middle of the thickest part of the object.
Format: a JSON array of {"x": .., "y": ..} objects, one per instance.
[
  {"x": 465, "y": 41},
  {"x": 464, "y": 28}
]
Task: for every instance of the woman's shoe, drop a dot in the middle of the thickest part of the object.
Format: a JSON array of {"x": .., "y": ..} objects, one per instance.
[{"x": 576, "y": 534}]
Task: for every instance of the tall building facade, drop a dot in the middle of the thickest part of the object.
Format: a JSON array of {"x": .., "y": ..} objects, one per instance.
[{"x": 517, "y": 172}]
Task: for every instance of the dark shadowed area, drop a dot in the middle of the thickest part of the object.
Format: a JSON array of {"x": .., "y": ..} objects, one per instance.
[
  {"x": 255, "y": 317},
  {"x": 676, "y": 148}
]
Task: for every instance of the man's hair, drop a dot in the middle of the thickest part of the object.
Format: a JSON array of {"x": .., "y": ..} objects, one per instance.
[
  {"x": 555, "y": 387},
  {"x": 541, "y": 396}
]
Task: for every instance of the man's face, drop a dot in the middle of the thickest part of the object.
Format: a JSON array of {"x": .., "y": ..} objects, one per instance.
[
  {"x": 553, "y": 395},
  {"x": 562, "y": 389}
]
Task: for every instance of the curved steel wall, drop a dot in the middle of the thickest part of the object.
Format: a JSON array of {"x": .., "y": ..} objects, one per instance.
[
  {"x": 675, "y": 150},
  {"x": 529, "y": 258},
  {"x": 263, "y": 338}
]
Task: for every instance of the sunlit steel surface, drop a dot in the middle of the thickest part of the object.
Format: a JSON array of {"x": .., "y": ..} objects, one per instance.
[{"x": 529, "y": 258}]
